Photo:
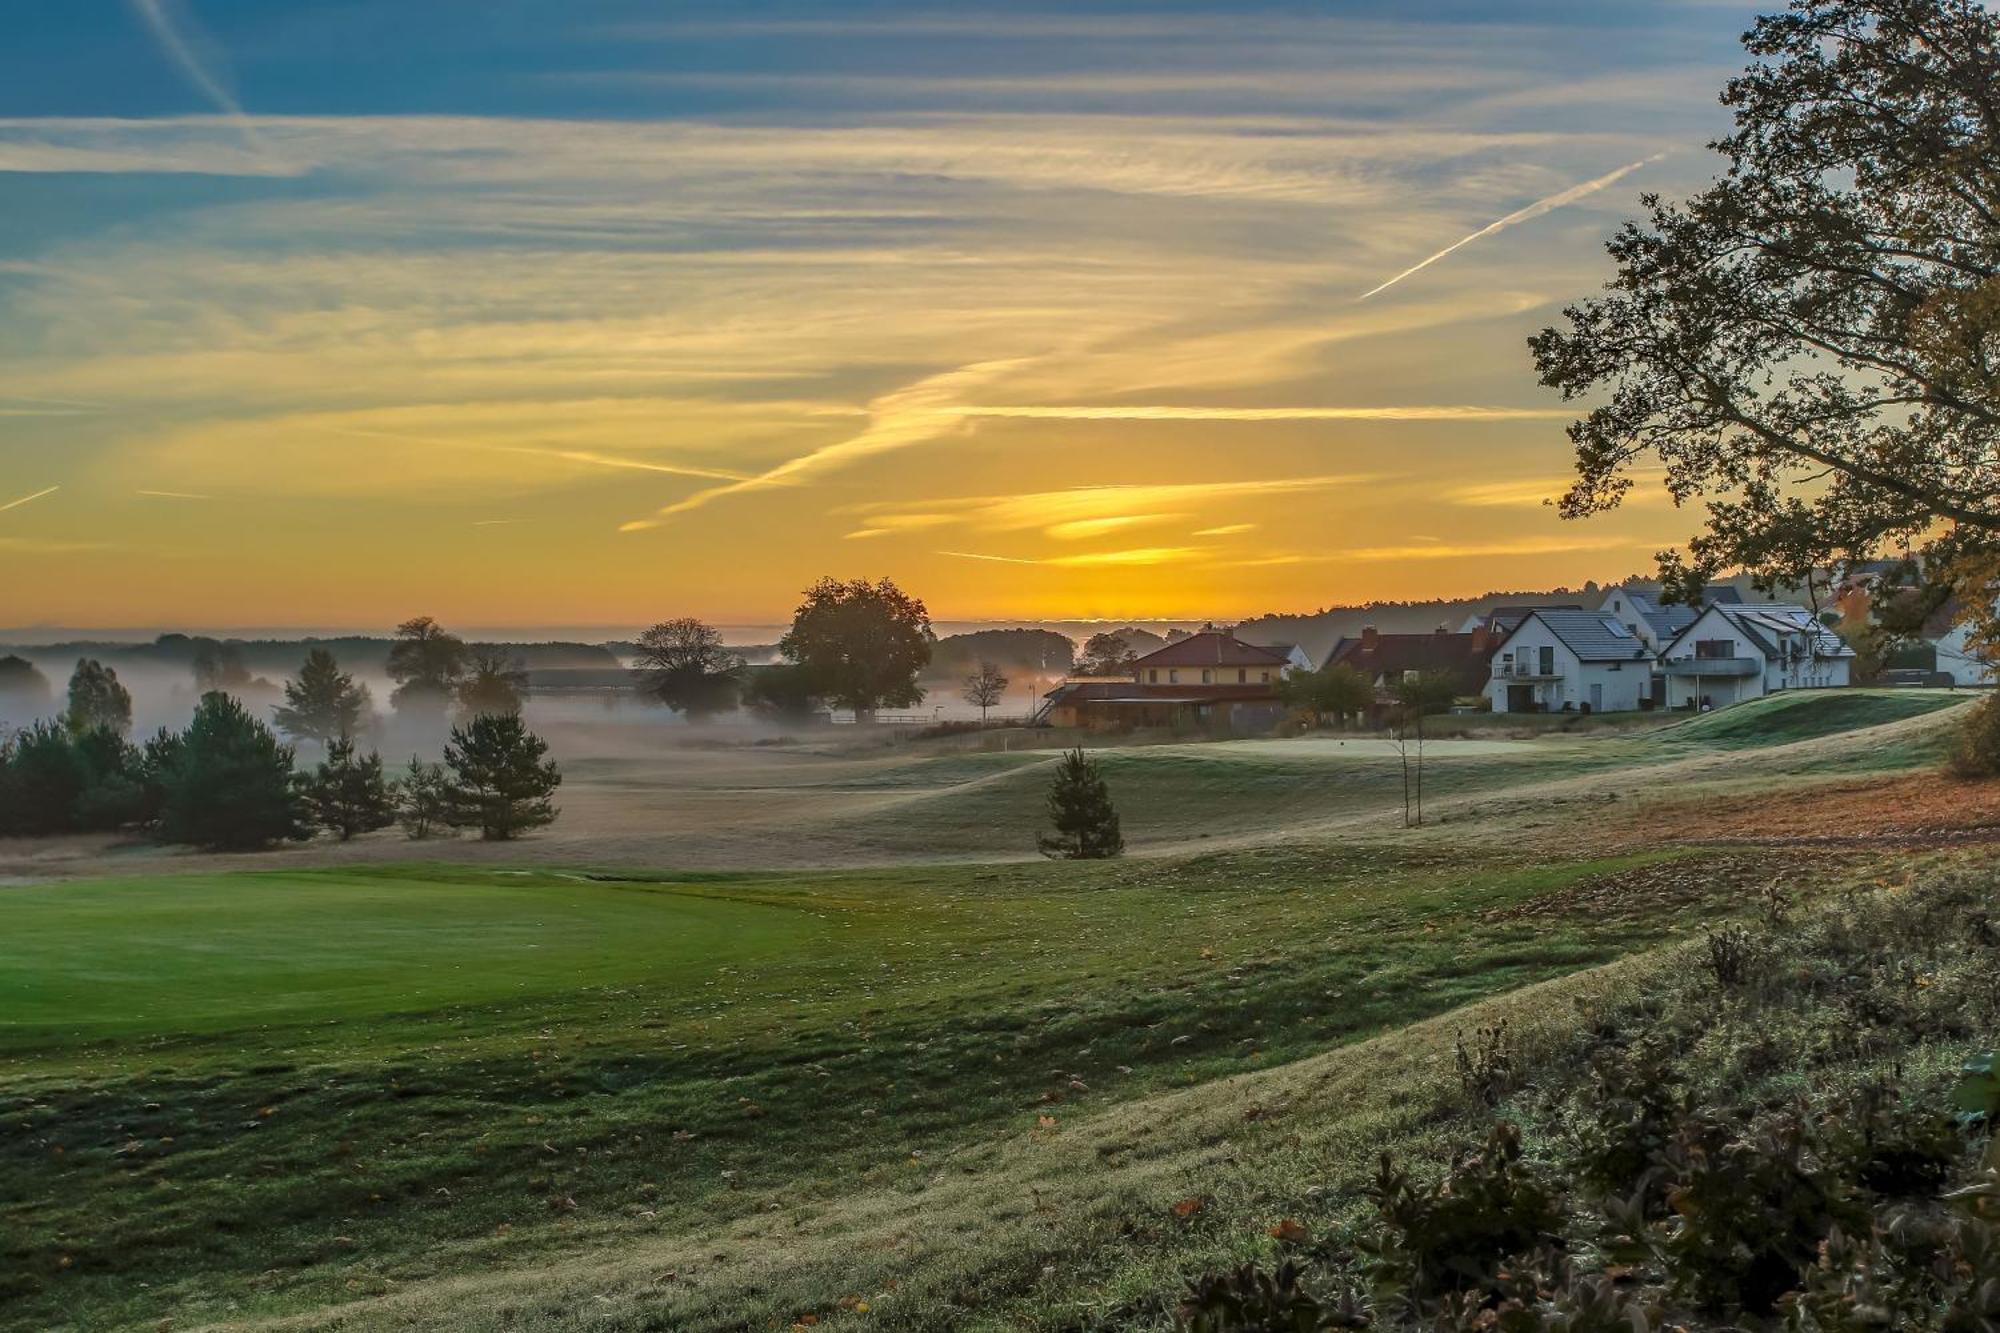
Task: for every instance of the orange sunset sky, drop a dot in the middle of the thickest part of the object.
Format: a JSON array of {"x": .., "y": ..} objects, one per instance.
[{"x": 593, "y": 314}]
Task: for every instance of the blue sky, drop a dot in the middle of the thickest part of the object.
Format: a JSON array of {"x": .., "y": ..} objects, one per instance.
[{"x": 596, "y": 311}]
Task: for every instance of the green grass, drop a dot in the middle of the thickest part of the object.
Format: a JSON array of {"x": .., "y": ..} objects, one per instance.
[
  {"x": 195, "y": 953},
  {"x": 1806, "y": 715},
  {"x": 689, "y": 1048}
]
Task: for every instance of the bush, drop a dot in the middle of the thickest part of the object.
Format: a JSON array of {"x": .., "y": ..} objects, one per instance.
[
  {"x": 1456, "y": 1235},
  {"x": 1977, "y": 753}
]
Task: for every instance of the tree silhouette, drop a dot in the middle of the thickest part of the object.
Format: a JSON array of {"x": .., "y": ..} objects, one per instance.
[
  {"x": 324, "y": 703},
  {"x": 1086, "y": 824},
  {"x": 493, "y": 684},
  {"x": 426, "y": 663},
  {"x": 683, "y": 664},
  {"x": 985, "y": 688},
  {"x": 861, "y": 644}
]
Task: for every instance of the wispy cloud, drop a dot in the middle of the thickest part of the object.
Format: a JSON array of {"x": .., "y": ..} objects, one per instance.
[
  {"x": 912, "y": 415},
  {"x": 1225, "y": 530},
  {"x": 1101, "y": 508},
  {"x": 173, "y": 495},
  {"x": 1436, "y": 550},
  {"x": 28, "y": 499},
  {"x": 1138, "y": 556},
  {"x": 1518, "y": 216}
]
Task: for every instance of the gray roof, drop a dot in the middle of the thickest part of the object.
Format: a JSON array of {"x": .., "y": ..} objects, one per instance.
[
  {"x": 1764, "y": 625},
  {"x": 1594, "y": 636}
]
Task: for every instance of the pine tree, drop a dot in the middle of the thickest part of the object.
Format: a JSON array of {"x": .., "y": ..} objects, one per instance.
[
  {"x": 423, "y": 800},
  {"x": 228, "y": 783},
  {"x": 324, "y": 703},
  {"x": 500, "y": 779},
  {"x": 1080, "y": 808},
  {"x": 348, "y": 794}
]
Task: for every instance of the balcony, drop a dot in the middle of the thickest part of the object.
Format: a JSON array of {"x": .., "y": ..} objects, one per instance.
[
  {"x": 1522, "y": 671},
  {"x": 1713, "y": 667}
]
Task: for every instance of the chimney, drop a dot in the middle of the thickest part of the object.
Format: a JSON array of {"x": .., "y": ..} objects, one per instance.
[
  {"x": 1368, "y": 637},
  {"x": 1443, "y": 628},
  {"x": 1478, "y": 640}
]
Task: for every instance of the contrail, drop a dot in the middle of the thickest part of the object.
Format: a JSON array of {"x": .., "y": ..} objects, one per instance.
[
  {"x": 16, "y": 504},
  {"x": 1155, "y": 412},
  {"x": 154, "y": 13},
  {"x": 1532, "y": 211},
  {"x": 173, "y": 495}
]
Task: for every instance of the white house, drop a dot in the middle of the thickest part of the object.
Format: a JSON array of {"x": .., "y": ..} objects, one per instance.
[
  {"x": 1654, "y": 622},
  {"x": 1957, "y": 658},
  {"x": 1733, "y": 653},
  {"x": 1296, "y": 658},
  {"x": 1569, "y": 661}
]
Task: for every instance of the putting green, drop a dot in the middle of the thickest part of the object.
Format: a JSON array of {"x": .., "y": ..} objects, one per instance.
[{"x": 176, "y": 954}]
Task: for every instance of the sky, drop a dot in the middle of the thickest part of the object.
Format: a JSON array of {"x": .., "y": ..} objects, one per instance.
[{"x": 333, "y": 312}]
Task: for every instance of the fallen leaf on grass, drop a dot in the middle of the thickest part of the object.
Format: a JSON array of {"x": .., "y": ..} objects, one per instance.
[
  {"x": 1188, "y": 1207},
  {"x": 1290, "y": 1232}
]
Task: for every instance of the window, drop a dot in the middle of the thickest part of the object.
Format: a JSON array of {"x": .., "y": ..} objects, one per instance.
[
  {"x": 1207, "y": 676},
  {"x": 1264, "y": 676},
  {"x": 1243, "y": 675},
  {"x": 1153, "y": 676},
  {"x": 1548, "y": 660},
  {"x": 1714, "y": 648},
  {"x": 1173, "y": 677}
]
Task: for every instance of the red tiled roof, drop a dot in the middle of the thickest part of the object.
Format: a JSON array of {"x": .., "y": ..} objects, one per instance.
[
  {"x": 1211, "y": 649},
  {"x": 1465, "y": 656}
]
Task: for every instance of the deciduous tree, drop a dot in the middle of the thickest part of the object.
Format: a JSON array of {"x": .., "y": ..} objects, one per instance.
[
  {"x": 24, "y": 690},
  {"x": 97, "y": 700},
  {"x": 1811, "y": 345},
  {"x": 684, "y": 665},
  {"x": 493, "y": 683},
  {"x": 427, "y": 664},
  {"x": 1336, "y": 690},
  {"x": 861, "y": 644},
  {"x": 501, "y": 777},
  {"x": 1106, "y": 654},
  {"x": 985, "y": 688}
]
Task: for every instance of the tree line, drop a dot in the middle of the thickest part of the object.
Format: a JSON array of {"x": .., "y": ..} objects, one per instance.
[{"x": 227, "y": 781}]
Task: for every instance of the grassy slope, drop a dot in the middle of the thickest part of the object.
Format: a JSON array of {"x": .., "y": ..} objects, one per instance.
[{"x": 657, "y": 1084}]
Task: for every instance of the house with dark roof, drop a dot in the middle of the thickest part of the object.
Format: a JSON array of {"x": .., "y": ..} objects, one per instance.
[
  {"x": 1389, "y": 659},
  {"x": 1501, "y": 620},
  {"x": 1212, "y": 679},
  {"x": 1570, "y": 662},
  {"x": 1731, "y": 653},
  {"x": 1653, "y": 621}
]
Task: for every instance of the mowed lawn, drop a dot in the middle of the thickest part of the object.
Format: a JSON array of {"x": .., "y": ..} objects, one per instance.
[
  {"x": 184, "y": 954},
  {"x": 251, "y": 1094}
]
